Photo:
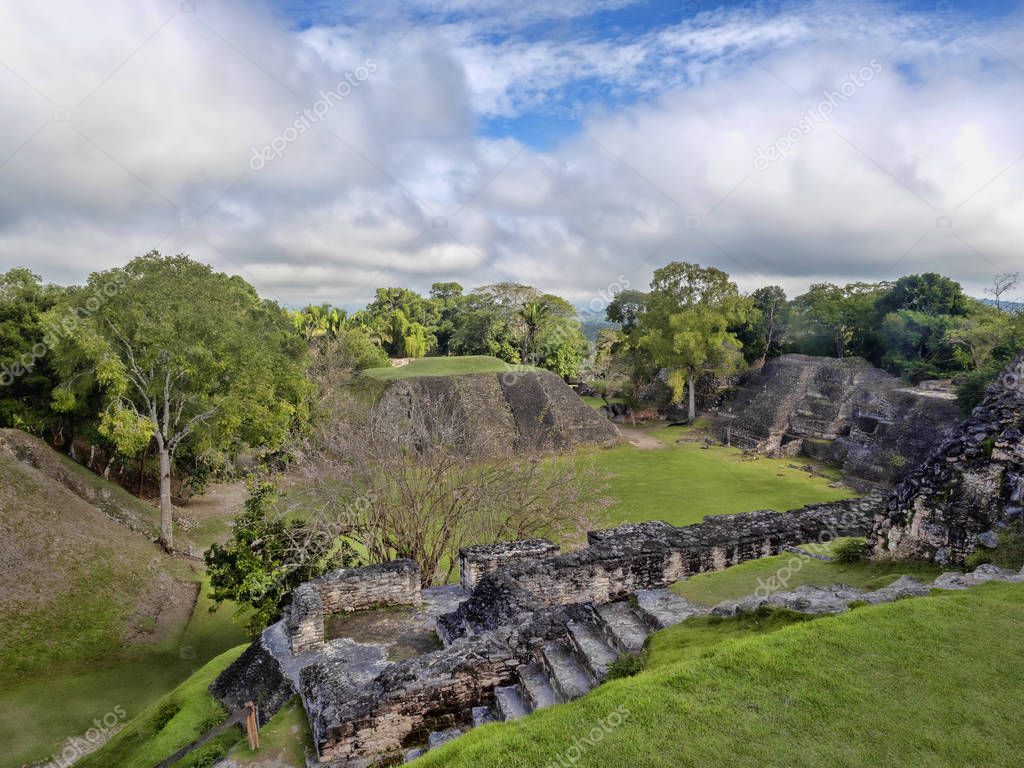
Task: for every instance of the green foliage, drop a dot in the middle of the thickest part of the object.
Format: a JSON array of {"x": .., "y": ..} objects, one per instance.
[
  {"x": 689, "y": 320},
  {"x": 1008, "y": 554},
  {"x": 27, "y": 376},
  {"x": 627, "y": 665},
  {"x": 267, "y": 557},
  {"x": 851, "y": 551},
  {"x": 171, "y": 331},
  {"x": 764, "y": 332}
]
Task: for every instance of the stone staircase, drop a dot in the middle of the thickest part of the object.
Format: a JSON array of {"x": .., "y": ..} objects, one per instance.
[{"x": 567, "y": 669}]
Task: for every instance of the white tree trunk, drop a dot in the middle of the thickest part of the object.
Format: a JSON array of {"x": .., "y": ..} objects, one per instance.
[{"x": 166, "y": 509}]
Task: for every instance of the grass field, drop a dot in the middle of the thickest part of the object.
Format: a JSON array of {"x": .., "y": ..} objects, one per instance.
[
  {"x": 445, "y": 366},
  {"x": 42, "y": 711},
  {"x": 681, "y": 483},
  {"x": 933, "y": 681},
  {"x": 745, "y": 579}
]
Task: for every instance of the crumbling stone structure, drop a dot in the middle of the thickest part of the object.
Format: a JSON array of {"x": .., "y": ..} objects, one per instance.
[
  {"x": 516, "y": 412},
  {"x": 349, "y": 589},
  {"x": 536, "y": 628},
  {"x": 846, "y": 412},
  {"x": 475, "y": 562},
  {"x": 970, "y": 488}
]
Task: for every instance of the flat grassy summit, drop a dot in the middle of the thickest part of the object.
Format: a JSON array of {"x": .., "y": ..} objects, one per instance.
[{"x": 445, "y": 366}]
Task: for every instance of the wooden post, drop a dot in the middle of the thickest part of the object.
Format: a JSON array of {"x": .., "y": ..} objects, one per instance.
[{"x": 252, "y": 726}]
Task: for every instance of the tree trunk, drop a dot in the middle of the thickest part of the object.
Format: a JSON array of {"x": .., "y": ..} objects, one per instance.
[
  {"x": 691, "y": 375},
  {"x": 166, "y": 509}
]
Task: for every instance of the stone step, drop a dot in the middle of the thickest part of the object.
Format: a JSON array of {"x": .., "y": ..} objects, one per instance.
[
  {"x": 535, "y": 683},
  {"x": 568, "y": 676},
  {"x": 659, "y": 608},
  {"x": 482, "y": 716},
  {"x": 437, "y": 738},
  {"x": 622, "y": 626},
  {"x": 592, "y": 648},
  {"x": 509, "y": 702}
]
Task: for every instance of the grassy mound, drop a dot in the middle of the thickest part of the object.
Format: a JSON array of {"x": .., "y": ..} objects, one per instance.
[
  {"x": 94, "y": 617},
  {"x": 445, "y": 366},
  {"x": 928, "y": 682}
]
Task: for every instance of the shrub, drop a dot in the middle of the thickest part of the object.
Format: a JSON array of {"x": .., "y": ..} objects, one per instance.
[
  {"x": 851, "y": 551},
  {"x": 627, "y": 665}
]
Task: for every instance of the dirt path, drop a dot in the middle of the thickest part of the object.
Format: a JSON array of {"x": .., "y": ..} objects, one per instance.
[{"x": 641, "y": 439}]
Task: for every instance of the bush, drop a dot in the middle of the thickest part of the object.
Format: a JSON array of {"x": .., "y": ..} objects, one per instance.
[
  {"x": 851, "y": 551},
  {"x": 627, "y": 665}
]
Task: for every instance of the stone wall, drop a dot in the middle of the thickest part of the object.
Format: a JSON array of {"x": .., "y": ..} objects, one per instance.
[
  {"x": 527, "y": 599},
  {"x": 621, "y": 561},
  {"x": 970, "y": 488},
  {"x": 349, "y": 589},
  {"x": 517, "y": 412},
  {"x": 844, "y": 411},
  {"x": 478, "y": 561}
]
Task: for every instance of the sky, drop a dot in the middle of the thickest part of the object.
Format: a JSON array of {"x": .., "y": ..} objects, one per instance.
[{"x": 322, "y": 149}]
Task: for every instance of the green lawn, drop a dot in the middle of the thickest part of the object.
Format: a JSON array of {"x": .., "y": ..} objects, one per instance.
[
  {"x": 445, "y": 366},
  {"x": 42, "y": 711},
  {"x": 933, "y": 681},
  {"x": 745, "y": 579},
  {"x": 680, "y": 484},
  {"x": 170, "y": 723}
]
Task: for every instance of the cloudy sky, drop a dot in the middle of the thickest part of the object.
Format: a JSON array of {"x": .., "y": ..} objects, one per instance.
[{"x": 322, "y": 148}]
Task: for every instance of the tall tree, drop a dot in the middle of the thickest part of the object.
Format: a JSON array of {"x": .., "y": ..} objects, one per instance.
[
  {"x": 183, "y": 353},
  {"x": 687, "y": 324}
]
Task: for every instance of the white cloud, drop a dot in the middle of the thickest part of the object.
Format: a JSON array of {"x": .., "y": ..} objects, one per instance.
[{"x": 175, "y": 102}]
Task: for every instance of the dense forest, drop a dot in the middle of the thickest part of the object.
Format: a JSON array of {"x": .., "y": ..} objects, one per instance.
[{"x": 164, "y": 368}]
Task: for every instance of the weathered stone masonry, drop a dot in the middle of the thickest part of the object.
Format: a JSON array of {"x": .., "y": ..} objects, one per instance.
[
  {"x": 527, "y": 608},
  {"x": 349, "y": 589}
]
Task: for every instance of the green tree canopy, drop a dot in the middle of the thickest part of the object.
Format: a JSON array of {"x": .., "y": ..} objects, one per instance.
[
  {"x": 183, "y": 353},
  {"x": 687, "y": 325}
]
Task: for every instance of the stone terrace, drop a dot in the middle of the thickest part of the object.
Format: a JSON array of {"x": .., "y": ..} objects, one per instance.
[{"x": 537, "y": 628}]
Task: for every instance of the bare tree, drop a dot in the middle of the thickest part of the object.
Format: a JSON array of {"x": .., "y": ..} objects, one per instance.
[
  {"x": 1002, "y": 284},
  {"x": 423, "y": 485}
]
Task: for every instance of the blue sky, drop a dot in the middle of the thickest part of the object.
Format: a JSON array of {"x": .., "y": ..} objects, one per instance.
[{"x": 575, "y": 146}]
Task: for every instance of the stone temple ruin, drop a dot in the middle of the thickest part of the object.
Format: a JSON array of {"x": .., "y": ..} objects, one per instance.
[
  {"x": 525, "y": 628},
  {"x": 845, "y": 412},
  {"x": 386, "y": 670}
]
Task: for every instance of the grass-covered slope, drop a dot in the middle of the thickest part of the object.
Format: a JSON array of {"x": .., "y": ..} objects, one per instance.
[
  {"x": 444, "y": 366},
  {"x": 93, "y": 615},
  {"x": 932, "y": 681},
  {"x": 173, "y": 722},
  {"x": 74, "y": 584}
]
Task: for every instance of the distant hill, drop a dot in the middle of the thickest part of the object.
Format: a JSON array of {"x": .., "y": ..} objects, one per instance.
[{"x": 1007, "y": 306}]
